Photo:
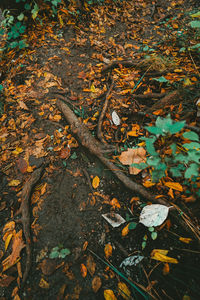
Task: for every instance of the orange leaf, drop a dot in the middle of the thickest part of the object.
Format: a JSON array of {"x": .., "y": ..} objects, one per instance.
[
  {"x": 124, "y": 291},
  {"x": 108, "y": 250},
  {"x": 109, "y": 295},
  {"x": 96, "y": 283},
  {"x": 7, "y": 241},
  {"x": 166, "y": 269},
  {"x": 125, "y": 230},
  {"x": 14, "y": 182},
  {"x": 148, "y": 183},
  {"x": 174, "y": 185},
  {"x": 115, "y": 203},
  {"x": 83, "y": 270},
  {"x": 95, "y": 182}
]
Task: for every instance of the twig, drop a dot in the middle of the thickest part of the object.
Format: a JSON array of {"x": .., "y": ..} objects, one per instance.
[
  {"x": 25, "y": 219},
  {"x": 99, "y": 131},
  {"x": 116, "y": 63},
  {"x": 149, "y": 95}
]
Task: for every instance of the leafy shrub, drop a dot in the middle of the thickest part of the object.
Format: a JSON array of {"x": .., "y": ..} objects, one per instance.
[{"x": 171, "y": 150}]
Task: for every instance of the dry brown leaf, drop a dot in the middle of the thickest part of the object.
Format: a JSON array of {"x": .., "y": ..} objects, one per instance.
[
  {"x": 135, "y": 156},
  {"x": 96, "y": 283},
  {"x": 108, "y": 250},
  {"x": 91, "y": 265}
]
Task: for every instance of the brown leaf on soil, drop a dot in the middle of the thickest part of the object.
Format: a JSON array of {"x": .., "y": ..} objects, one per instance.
[
  {"x": 96, "y": 283},
  {"x": 91, "y": 265},
  {"x": 6, "y": 280},
  {"x": 22, "y": 165},
  {"x": 48, "y": 266},
  {"x": 135, "y": 156}
]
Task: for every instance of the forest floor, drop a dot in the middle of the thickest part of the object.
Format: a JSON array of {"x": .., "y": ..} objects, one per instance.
[{"x": 55, "y": 181}]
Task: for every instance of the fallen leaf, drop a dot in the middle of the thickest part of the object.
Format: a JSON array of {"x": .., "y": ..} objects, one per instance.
[
  {"x": 131, "y": 156},
  {"x": 96, "y": 283},
  {"x": 14, "y": 182},
  {"x": 5, "y": 281},
  {"x": 108, "y": 250},
  {"x": 7, "y": 241},
  {"x": 131, "y": 261},
  {"x": 95, "y": 182},
  {"x": 160, "y": 255},
  {"x": 22, "y": 165},
  {"x": 109, "y": 295},
  {"x": 43, "y": 284},
  {"x": 166, "y": 269},
  {"x": 115, "y": 203},
  {"x": 174, "y": 185},
  {"x": 185, "y": 240},
  {"x": 48, "y": 266},
  {"x": 124, "y": 291},
  {"x": 115, "y": 118},
  {"x": 91, "y": 265},
  {"x": 83, "y": 270},
  {"x": 115, "y": 220},
  {"x": 154, "y": 215},
  {"x": 125, "y": 230}
]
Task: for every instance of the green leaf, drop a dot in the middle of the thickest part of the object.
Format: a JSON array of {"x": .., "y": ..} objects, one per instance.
[
  {"x": 35, "y": 11},
  {"x": 20, "y": 17},
  {"x": 195, "y": 24},
  {"x": 22, "y": 44},
  {"x": 153, "y": 161},
  {"x": 161, "y": 79},
  {"x": 176, "y": 127},
  {"x": 27, "y": 6},
  {"x": 151, "y": 229},
  {"x": 173, "y": 147},
  {"x": 175, "y": 172},
  {"x": 64, "y": 252},
  {"x": 154, "y": 235},
  {"x": 181, "y": 158},
  {"x": 54, "y": 254},
  {"x": 191, "y": 135},
  {"x": 194, "y": 155},
  {"x": 193, "y": 170},
  {"x": 1, "y": 87},
  {"x": 193, "y": 145},
  {"x": 144, "y": 245},
  {"x": 157, "y": 175},
  {"x": 149, "y": 145},
  {"x": 140, "y": 166},
  {"x": 197, "y": 15},
  {"x": 154, "y": 130},
  {"x": 74, "y": 156},
  {"x": 132, "y": 225}
]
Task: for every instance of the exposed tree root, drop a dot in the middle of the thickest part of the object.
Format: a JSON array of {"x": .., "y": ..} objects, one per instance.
[
  {"x": 25, "y": 219},
  {"x": 99, "y": 131},
  {"x": 116, "y": 63},
  {"x": 167, "y": 100},
  {"x": 96, "y": 148},
  {"x": 149, "y": 96}
]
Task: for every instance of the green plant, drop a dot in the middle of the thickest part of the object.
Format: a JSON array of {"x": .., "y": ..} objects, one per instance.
[
  {"x": 59, "y": 252},
  {"x": 170, "y": 150}
]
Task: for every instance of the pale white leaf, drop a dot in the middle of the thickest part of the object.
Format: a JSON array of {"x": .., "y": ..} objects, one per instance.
[
  {"x": 154, "y": 215},
  {"x": 131, "y": 261},
  {"x": 115, "y": 118},
  {"x": 115, "y": 220}
]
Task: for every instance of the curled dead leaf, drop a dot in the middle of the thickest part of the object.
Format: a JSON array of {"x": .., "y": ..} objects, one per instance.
[{"x": 133, "y": 156}]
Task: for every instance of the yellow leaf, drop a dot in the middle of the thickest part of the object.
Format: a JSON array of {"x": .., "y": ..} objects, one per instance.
[
  {"x": 187, "y": 82},
  {"x": 185, "y": 240},
  {"x": 7, "y": 241},
  {"x": 43, "y": 284},
  {"x": 92, "y": 88},
  {"x": 108, "y": 250},
  {"x": 18, "y": 150},
  {"x": 148, "y": 183},
  {"x": 125, "y": 230},
  {"x": 109, "y": 295},
  {"x": 95, "y": 182},
  {"x": 174, "y": 185},
  {"x": 157, "y": 254},
  {"x": 124, "y": 291},
  {"x": 14, "y": 182}
]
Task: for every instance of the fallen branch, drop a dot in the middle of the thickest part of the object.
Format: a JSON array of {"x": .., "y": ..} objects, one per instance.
[
  {"x": 25, "y": 219},
  {"x": 96, "y": 148},
  {"x": 149, "y": 95},
  {"x": 99, "y": 131},
  {"x": 167, "y": 100}
]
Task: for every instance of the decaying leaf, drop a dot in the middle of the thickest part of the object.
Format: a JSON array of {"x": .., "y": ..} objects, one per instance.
[
  {"x": 108, "y": 250},
  {"x": 135, "y": 156},
  {"x": 124, "y": 291},
  {"x": 109, "y": 295},
  {"x": 154, "y": 215},
  {"x": 160, "y": 255},
  {"x": 43, "y": 284},
  {"x": 115, "y": 220},
  {"x": 96, "y": 283},
  {"x": 131, "y": 261},
  {"x": 166, "y": 269},
  {"x": 115, "y": 118},
  {"x": 125, "y": 230},
  {"x": 91, "y": 265},
  {"x": 14, "y": 182},
  {"x": 185, "y": 240}
]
